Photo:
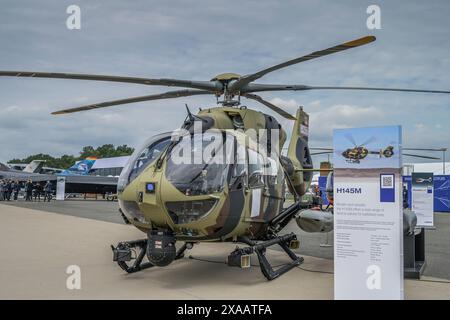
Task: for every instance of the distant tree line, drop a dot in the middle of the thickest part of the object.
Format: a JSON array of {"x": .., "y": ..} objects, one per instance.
[{"x": 65, "y": 161}]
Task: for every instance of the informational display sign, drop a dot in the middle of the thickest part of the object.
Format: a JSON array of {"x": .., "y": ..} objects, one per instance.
[
  {"x": 422, "y": 198},
  {"x": 441, "y": 192},
  {"x": 368, "y": 217},
  {"x": 323, "y": 189},
  {"x": 60, "y": 188}
]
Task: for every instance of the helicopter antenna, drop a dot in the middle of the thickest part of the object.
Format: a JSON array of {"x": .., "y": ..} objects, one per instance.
[{"x": 190, "y": 115}]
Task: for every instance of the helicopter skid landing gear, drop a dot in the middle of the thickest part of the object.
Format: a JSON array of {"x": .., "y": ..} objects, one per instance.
[
  {"x": 123, "y": 254},
  {"x": 240, "y": 256}
]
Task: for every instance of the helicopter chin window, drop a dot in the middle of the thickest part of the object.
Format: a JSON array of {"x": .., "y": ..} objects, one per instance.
[
  {"x": 189, "y": 211},
  {"x": 197, "y": 177},
  {"x": 131, "y": 210}
]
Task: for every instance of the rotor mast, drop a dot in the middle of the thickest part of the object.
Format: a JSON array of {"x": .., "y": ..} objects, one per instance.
[{"x": 224, "y": 81}]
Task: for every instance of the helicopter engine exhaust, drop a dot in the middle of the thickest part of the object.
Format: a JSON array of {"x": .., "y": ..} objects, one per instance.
[
  {"x": 315, "y": 220},
  {"x": 161, "y": 249}
]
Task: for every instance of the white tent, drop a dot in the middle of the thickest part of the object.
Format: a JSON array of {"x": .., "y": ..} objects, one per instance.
[{"x": 436, "y": 168}]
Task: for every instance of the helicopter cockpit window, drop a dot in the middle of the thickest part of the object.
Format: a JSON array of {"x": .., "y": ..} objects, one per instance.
[
  {"x": 141, "y": 158},
  {"x": 147, "y": 156},
  {"x": 200, "y": 172}
]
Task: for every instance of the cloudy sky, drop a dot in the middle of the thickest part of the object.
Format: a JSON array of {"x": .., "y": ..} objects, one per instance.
[{"x": 197, "y": 39}]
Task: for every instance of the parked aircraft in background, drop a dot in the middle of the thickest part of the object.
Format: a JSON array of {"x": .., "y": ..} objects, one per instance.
[
  {"x": 80, "y": 168},
  {"x": 77, "y": 178},
  {"x": 35, "y": 166}
]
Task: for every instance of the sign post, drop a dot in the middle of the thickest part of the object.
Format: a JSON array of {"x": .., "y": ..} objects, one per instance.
[
  {"x": 422, "y": 196},
  {"x": 368, "y": 217},
  {"x": 60, "y": 188}
]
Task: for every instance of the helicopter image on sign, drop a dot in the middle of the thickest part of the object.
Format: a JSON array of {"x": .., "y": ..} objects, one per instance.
[
  {"x": 422, "y": 180},
  {"x": 359, "y": 152},
  {"x": 241, "y": 199}
]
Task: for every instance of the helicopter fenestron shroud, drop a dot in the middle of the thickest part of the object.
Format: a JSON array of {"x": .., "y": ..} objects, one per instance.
[{"x": 231, "y": 86}]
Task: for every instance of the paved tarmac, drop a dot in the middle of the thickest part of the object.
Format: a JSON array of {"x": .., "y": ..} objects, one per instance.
[
  {"x": 92, "y": 209},
  {"x": 38, "y": 247},
  {"x": 437, "y": 241}
]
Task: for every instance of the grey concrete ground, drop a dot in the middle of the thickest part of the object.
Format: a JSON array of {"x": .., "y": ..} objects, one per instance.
[
  {"x": 437, "y": 241},
  {"x": 92, "y": 209},
  {"x": 38, "y": 247}
]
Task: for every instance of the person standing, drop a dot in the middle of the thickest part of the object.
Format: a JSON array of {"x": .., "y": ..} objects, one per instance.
[
  {"x": 37, "y": 192},
  {"x": 5, "y": 190},
  {"x": 29, "y": 190},
  {"x": 1, "y": 190},
  {"x": 8, "y": 190},
  {"x": 48, "y": 191},
  {"x": 16, "y": 189},
  {"x": 405, "y": 197}
]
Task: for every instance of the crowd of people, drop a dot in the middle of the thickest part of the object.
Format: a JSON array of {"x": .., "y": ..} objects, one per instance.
[{"x": 11, "y": 189}]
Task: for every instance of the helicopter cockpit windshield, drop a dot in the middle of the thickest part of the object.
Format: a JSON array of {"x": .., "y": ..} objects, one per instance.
[
  {"x": 142, "y": 158},
  {"x": 199, "y": 164}
]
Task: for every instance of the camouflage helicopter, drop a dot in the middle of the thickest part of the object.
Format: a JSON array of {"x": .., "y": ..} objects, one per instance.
[
  {"x": 206, "y": 201},
  {"x": 359, "y": 152}
]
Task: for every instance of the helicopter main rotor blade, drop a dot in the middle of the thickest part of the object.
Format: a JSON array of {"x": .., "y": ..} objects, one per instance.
[
  {"x": 270, "y": 105},
  {"x": 426, "y": 149},
  {"x": 321, "y": 152},
  {"x": 236, "y": 86},
  {"x": 377, "y": 152},
  {"x": 420, "y": 156},
  {"x": 350, "y": 138},
  {"x": 254, "y": 87},
  {"x": 369, "y": 141},
  {"x": 320, "y": 148},
  {"x": 204, "y": 85},
  {"x": 166, "y": 95}
]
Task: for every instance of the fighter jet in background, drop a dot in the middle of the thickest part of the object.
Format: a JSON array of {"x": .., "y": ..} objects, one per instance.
[{"x": 77, "y": 178}]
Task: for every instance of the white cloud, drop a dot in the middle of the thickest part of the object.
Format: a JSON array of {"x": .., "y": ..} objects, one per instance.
[{"x": 419, "y": 126}]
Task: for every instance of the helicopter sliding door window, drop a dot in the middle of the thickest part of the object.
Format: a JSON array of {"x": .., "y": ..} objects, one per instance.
[
  {"x": 255, "y": 169},
  {"x": 239, "y": 173},
  {"x": 240, "y": 168},
  {"x": 271, "y": 171}
]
